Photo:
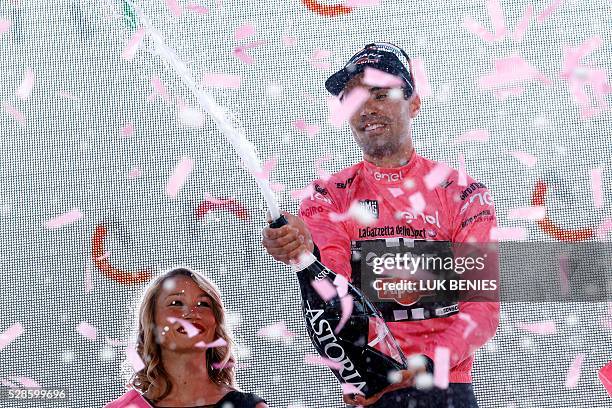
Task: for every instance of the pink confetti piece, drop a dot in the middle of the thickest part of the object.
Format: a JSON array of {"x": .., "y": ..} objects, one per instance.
[
  {"x": 527, "y": 213},
  {"x": 314, "y": 359},
  {"x": 189, "y": 328},
  {"x": 510, "y": 70},
  {"x": 523, "y": 24},
  {"x": 302, "y": 193},
  {"x": 396, "y": 192},
  {"x": 604, "y": 228},
  {"x": 10, "y": 335},
  {"x": 174, "y": 7},
  {"x": 346, "y": 305},
  {"x": 476, "y": 28},
  {"x": 341, "y": 284},
  {"x": 573, "y": 374},
  {"x": 88, "y": 280},
  {"x": 27, "y": 84},
  {"x": 573, "y": 55},
  {"x": 340, "y": 111},
  {"x": 134, "y": 172},
  {"x": 159, "y": 88},
  {"x": 14, "y": 112},
  {"x": 554, "y": 5},
  {"x": 267, "y": 168},
  {"x": 320, "y": 54},
  {"x": 67, "y": 95},
  {"x": 527, "y": 159},
  {"x": 289, "y": 41},
  {"x": 243, "y": 56},
  {"x": 605, "y": 376},
  {"x": 216, "y": 343},
  {"x": 437, "y": 175},
  {"x": 134, "y": 359},
  {"x": 26, "y": 382},
  {"x": 64, "y": 219},
  {"x": 508, "y": 234},
  {"x": 244, "y": 31},
  {"x": 441, "y": 367},
  {"x": 348, "y": 388},
  {"x": 179, "y": 176},
  {"x": 564, "y": 273},
  {"x": 222, "y": 81},
  {"x": 497, "y": 18},
  {"x": 325, "y": 289},
  {"x": 471, "y": 324},
  {"x": 420, "y": 78},
  {"x": 362, "y": 3},
  {"x": 275, "y": 331},
  {"x": 129, "y": 51},
  {"x": 596, "y": 188},
  {"x": 381, "y": 79},
  {"x": 310, "y": 130},
  {"x": 474, "y": 135},
  {"x": 196, "y": 8},
  {"x": 321, "y": 172},
  {"x": 102, "y": 257},
  {"x": 544, "y": 327},
  {"x": 462, "y": 177},
  {"x": 417, "y": 202},
  {"x": 322, "y": 65},
  {"x": 5, "y": 26},
  {"x": 87, "y": 330},
  {"x": 127, "y": 130}
]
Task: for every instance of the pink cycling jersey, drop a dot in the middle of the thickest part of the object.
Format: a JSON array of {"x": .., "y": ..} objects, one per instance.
[{"x": 451, "y": 212}]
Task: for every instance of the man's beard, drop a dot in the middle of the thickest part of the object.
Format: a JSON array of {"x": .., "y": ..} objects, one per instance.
[{"x": 380, "y": 148}]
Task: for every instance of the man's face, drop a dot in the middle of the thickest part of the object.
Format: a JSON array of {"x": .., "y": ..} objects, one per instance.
[{"x": 381, "y": 126}]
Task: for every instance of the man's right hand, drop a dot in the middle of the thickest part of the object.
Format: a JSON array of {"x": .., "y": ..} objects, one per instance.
[{"x": 286, "y": 243}]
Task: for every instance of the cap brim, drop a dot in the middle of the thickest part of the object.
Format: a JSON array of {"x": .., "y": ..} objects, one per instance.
[{"x": 336, "y": 83}]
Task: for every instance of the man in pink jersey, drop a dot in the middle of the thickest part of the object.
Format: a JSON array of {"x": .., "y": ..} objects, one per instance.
[{"x": 403, "y": 197}]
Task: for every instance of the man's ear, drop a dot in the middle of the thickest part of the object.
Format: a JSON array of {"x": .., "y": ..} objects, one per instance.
[{"x": 415, "y": 105}]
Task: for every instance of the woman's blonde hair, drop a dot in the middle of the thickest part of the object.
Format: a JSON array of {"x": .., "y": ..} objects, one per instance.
[{"x": 153, "y": 378}]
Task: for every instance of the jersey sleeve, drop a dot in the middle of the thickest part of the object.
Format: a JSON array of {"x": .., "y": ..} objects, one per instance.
[
  {"x": 473, "y": 219},
  {"x": 330, "y": 237}
]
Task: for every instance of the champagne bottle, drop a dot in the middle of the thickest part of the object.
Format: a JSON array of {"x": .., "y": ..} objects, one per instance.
[{"x": 366, "y": 352}]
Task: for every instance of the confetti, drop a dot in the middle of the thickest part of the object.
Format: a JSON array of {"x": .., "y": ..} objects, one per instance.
[
  {"x": 127, "y": 130},
  {"x": 527, "y": 159},
  {"x": 573, "y": 55},
  {"x": 605, "y": 376},
  {"x": 129, "y": 51},
  {"x": 87, "y": 330},
  {"x": 64, "y": 219},
  {"x": 325, "y": 289},
  {"x": 554, "y": 5},
  {"x": 417, "y": 202},
  {"x": 362, "y": 3},
  {"x": 378, "y": 78},
  {"x": 314, "y": 359},
  {"x": 196, "y": 8},
  {"x": 10, "y": 335},
  {"x": 27, "y": 84},
  {"x": 267, "y": 168},
  {"x": 573, "y": 373},
  {"x": 497, "y": 18},
  {"x": 222, "y": 81},
  {"x": 190, "y": 117},
  {"x": 310, "y": 130},
  {"x": 275, "y": 331},
  {"x": 216, "y": 343},
  {"x": 174, "y": 7},
  {"x": 420, "y": 78},
  {"x": 527, "y": 213},
  {"x": 303, "y": 193},
  {"x": 523, "y": 24},
  {"x": 244, "y": 31},
  {"x": 240, "y": 52},
  {"x": 5, "y": 26},
  {"x": 471, "y": 324},
  {"x": 340, "y": 111},
  {"x": 341, "y": 284},
  {"x": 544, "y": 327},
  {"x": 159, "y": 88},
  {"x": 189, "y": 328},
  {"x": 474, "y": 27},
  {"x": 134, "y": 359},
  {"x": 348, "y": 388},
  {"x": 211, "y": 204},
  {"x": 16, "y": 114},
  {"x": 508, "y": 234},
  {"x": 26, "y": 382},
  {"x": 88, "y": 280},
  {"x": 441, "y": 367},
  {"x": 478, "y": 135},
  {"x": 596, "y": 188},
  {"x": 179, "y": 176},
  {"x": 437, "y": 175},
  {"x": 102, "y": 257},
  {"x": 462, "y": 178},
  {"x": 346, "y": 305},
  {"x": 321, "y": 172},
  {"x": 357, "y": 212},
  {"x": 604, "y": 228},
  {"x": 510, "y": 70},
  {"x": 396, "y": 192}
]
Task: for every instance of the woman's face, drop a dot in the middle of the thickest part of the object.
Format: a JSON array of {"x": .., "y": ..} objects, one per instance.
[{"x": 181, "y": 298}]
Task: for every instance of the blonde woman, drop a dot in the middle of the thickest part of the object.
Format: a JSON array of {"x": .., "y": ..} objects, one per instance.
[{"x": 180, "y": 316}]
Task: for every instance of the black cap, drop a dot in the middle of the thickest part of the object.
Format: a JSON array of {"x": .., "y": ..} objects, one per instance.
[{"x": 384, "y": 56}]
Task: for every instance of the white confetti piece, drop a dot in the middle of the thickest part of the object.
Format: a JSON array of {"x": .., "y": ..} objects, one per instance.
[
  {"x": 596, "y": 188},
  {"x": 395, "y": 191},
  {"x": 190, "y": 117},
  {"x": 133, "y": 358},
  {"x": 342, "y": 111},
  {"x": 417, "y": 202},
  {"x": 471, "y": 324},
  {"x": 88, "y": 280},
  {"x": 129, "y": 51},
  {"x": 64, "y": 219},
  {"x": 27, "y": 84},
  {"x": 441, "y": 367},
  {"x": 303, "y": 193},
  {"x": 189, "y": 328},
  {"x": 244, "y": 31},
  {"x": 509, "y": 71},
  {"x": 314, "y": 359},
  {"x": 10, "y": 334},
  {"x": 527, "y": 213},
  {"x": 362, "y": 3},
  {"x": 346, "y": 306},
  {"x": 87, "y": 330},
  {"x": 381, "y": 79},
  {"x": 341, "y": 284},
  {"x": 420, "y": 78},
  {"x": 348, "y": 388},
  {"x": 462, "y": 177},
  {"x": 102, "y": 257},
  {"x": 477, "y": 135},
  {"x": 437, "y": 175},
  {"x": 179, "y": 176},
  {"x": 604, "y": 228},
  {"x": 218, "y": 80},
  {"x": 573, "y": 374},
  {"x": 275, "y": 331},
  {"x": 544, "y": 327},
  {"x": 508, "y": 234}
]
